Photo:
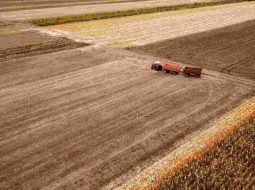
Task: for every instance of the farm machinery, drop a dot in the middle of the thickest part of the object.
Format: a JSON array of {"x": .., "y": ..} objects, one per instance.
[{"x": 175, "y": 69}]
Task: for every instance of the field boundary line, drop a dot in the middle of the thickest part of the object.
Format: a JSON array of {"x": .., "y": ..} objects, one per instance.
[
  {"x": 194, "y": 148},
  {"x": 49, "y": 21},
  {"x": 56, "y": 5}
]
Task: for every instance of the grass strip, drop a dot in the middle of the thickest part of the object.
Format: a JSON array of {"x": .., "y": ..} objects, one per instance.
[{"x": 122, "y": 13}]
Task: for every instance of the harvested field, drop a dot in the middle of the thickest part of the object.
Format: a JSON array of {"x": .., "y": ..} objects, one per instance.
[
  {"x": 40, "y": 4},
  {"x": 229, "y": 165},
  {"x": 122, "y": 13},
  {"x": 82, "y": 9},
  {"x": 75, "y": 117},
  {"x": 15, "y": 44},
  {"x": 12, "y": 3},
  {"x": 90, "y": 115},
  {"x": 229, "y": 50},
  {"x": 192, "y": 148},
  {"x": 150, "y": 28}
]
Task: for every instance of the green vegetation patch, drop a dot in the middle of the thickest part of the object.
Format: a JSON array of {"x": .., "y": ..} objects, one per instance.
[{"x": 122, "y": 13}]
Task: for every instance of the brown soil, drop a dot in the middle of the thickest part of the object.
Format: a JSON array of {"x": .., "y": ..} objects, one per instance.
[
  {"x": 39, "y": 4},
  {"x": 229, "y": 165},
  {"x": 23, "y": 44},
  {"x": 81, "y": 118},
  {"x": 8, "y": 3},
  {"x": 229, "y": 50}
]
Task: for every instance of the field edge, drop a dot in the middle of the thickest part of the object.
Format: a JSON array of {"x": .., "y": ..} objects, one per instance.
[
  {"x": 193, "y": 149},
  {"x": 50, "y": 21}
]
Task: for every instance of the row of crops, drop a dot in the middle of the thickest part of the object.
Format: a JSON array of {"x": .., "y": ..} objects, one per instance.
[
  {"x": 123, "y": 13},
  {"x": 229, "y": 165}
]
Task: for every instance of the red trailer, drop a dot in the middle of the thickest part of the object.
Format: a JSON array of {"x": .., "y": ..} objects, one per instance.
[
  {"x": 171, "y": 68},
  {"x": 192, "y": 71}
]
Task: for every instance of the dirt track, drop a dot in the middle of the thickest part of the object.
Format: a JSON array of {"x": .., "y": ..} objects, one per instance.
[
  {"x": 60, "y": 11},
  {"x": 229, "y": 50},
  {"x": 88, "y": 116}
]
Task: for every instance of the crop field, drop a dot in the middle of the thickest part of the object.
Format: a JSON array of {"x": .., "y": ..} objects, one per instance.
[
  {"x": 195, "y": 148},
  {"x": 150, "y": 28},
  {"x": 89, "y": 115},
  {"x": 229, "y": 165},
  {"x": 229, "y": 50},
  {"x": 89, "y": 16},
  {"x": 79, "y": 112},
  {"x": 38, "y": 11}
]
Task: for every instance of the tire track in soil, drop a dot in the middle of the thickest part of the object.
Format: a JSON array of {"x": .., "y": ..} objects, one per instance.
[{"x": 100, "y": 121}]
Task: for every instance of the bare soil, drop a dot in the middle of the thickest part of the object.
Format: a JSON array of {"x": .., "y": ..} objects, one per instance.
[
  {"x": 230, "y": 50},
  {"x": 8, "y": 3},
  {"x": 39, "y": 4},
  {"x": 80, "y": 118},
  {"x": 23, "y": 44}
]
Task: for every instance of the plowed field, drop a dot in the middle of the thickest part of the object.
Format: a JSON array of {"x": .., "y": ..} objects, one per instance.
[
  {"x": 15, "y": 44},
  {"x": 80, "y": 118},
  {"x": 75, "y": 117},
  {"x": 229, "y": 50}
]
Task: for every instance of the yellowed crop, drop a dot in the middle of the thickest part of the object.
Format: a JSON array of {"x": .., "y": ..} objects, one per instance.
[{"x": 10, "y": 32}]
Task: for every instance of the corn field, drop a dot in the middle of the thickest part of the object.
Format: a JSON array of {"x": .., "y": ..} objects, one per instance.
[{"x": 229, "y": 165}]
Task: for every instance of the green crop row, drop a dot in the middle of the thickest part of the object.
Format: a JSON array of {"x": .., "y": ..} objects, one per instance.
[{"x": 122, "y": 13}]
